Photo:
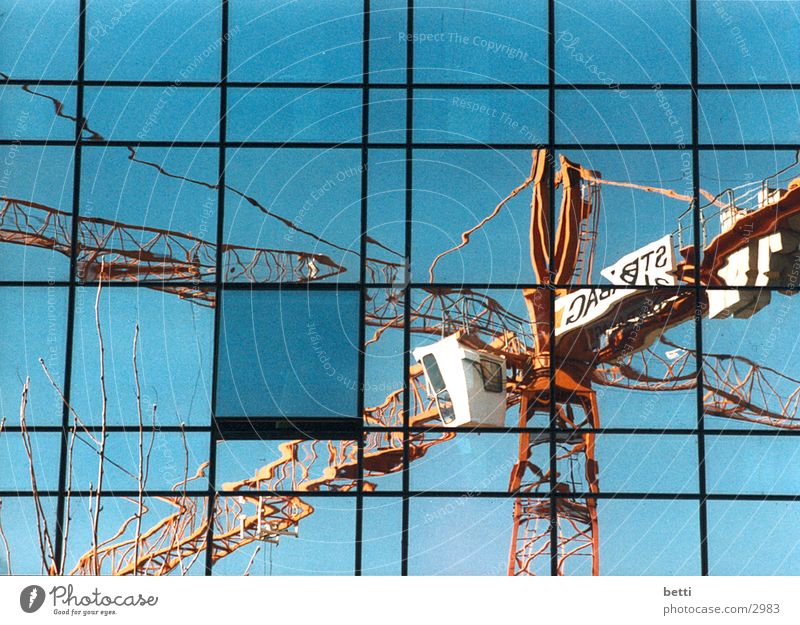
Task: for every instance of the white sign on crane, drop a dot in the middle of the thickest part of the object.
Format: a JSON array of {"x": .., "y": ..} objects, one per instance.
[
  {"x": 651, "y": 265},
  {"x": 584, "y": 306}
]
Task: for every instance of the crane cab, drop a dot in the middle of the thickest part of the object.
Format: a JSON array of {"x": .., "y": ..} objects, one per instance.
[{"x": 469, "y": 386}]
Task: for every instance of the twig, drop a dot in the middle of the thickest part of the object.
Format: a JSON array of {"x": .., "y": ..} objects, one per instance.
[
  {"x": 66, "y": 403},
  {"x": 2, "y": 531},
  {"x": 103, "y": 423},
  {"x": 43, "y": 533},
  {"x": 252, "y": 559},
  {"x": 140, "y": 500}
]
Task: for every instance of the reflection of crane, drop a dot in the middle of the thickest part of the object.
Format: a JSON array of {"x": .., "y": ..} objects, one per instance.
[
  {"x": 734, "y": 387},
  {"x": 159, "y": 257}
]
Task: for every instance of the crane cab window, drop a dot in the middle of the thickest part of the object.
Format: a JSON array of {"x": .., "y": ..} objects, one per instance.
[
  {"x": 491, "y": 374},
  {"x": 443, "y": 401}
]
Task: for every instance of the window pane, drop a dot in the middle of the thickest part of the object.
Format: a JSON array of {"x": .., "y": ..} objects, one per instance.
[
  {"x": 299, "y": 465},
  {"x": 462, "y": 536},
  {"x": 739, "y": 42},
  {"x": 454, "y": 191},
  {"x": 166, "y": 536},
  {"x": 329, "y": 115},
  {"x": 294, "y": 215},
  {"x": 634, "y": 463},
  {"x": 382, "y": 538},
  {"x": 29, "y": 115},
  {"x": 763, "y": 465},
  {"x": 648, "y": 537},
  {"x": 34, "y": 326},
  {"x": 40, "y": 39},
  {"x": 387, "y": 49},
  {"x": 386, "y": 209},
  {"x": 143, "y": 223},
  {"x": 16, "y": 467},
  {"x": 387, "y": 115},
  {"x": 150, "y": 41},
  {"x": 317, "y": 536},
  {"x": 753, "y": 538},
  {"x": 500, "y": 41},
  {"x": 37, "y": 183},
  {"x": 154, "y": 113},
  {"x": 482, "y": 116},
  {"x": 750, "y": 360},
  {"x": 169, "y": 460},
  {"x": 19, "y": 519},
  {"x": 612, "y": 43},
  {"x": 654, "y": 116},
  {"x": 635, "y": 198},
  {"x": 173, "y": 356},
  {"x": 749, "y": 117},
  {"x": 301, "y": 349},
  {"x": 469, "y": 462},
  {"x": 296, "y": 41},
  {"x": 497, "y": 322}
]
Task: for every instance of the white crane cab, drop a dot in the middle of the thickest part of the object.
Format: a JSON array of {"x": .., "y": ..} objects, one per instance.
[{"x": 469, "y": 386}]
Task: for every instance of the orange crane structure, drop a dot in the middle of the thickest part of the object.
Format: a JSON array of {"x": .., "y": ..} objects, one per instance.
[{"x": 547, "y": 373}]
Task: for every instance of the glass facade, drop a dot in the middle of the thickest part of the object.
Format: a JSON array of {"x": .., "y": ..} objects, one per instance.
[{"x": 228, "y": 227}]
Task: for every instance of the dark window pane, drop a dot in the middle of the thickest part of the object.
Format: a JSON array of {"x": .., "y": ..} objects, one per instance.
[{"x": 288, "y": 354}]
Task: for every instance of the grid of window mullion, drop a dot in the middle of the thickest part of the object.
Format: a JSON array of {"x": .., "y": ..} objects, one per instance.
[
  {"x": 551, "y": 145},
  {"x": 364, "y": 145},
  {"x": 409, "y": 154},
  {"x": 699, "y": 291},
  {"x": 304, "y": 145},
  {"x": 73, "y": 280},
  {"x": 590, "y": 86},
  {"x": 213, "y": 438},
  {"x": 362, "y": 280}
]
